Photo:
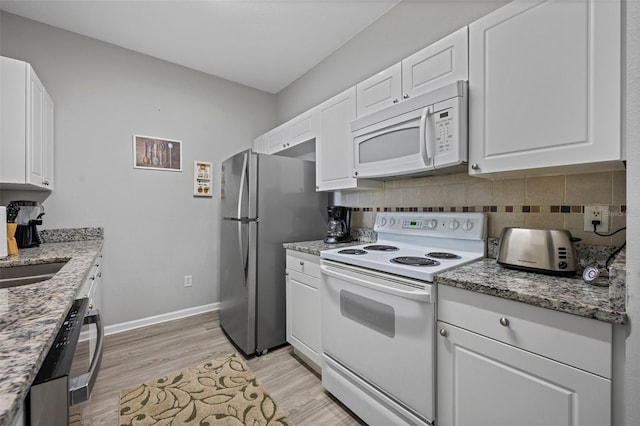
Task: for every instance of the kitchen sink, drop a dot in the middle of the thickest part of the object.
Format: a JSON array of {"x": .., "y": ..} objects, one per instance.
[{"x": 28, "y": 274}]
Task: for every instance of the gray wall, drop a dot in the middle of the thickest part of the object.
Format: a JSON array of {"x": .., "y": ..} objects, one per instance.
[
  {"x": 405, "y": 29},
  {"x": 155, "y": 230}
]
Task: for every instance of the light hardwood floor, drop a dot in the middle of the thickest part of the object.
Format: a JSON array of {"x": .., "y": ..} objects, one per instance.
[{"x": 139, "y": 355}]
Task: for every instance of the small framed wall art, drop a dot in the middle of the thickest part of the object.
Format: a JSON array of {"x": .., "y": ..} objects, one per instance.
[
  {"x": 157, "y": 153},
  {"x": 202, "y": 178}
]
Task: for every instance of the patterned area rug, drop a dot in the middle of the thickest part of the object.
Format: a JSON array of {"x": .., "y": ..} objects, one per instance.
[{"x": 220, "y": 392}]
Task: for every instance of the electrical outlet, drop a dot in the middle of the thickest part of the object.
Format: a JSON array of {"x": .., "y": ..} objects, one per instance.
[
  {"x": 187, "y": 281},
  {"x": 600, "y": 213}
]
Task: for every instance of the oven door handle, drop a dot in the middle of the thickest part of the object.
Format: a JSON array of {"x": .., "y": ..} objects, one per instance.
[
  {"x": 80, "y": 387},
  {"x": 423, "y": 296}
]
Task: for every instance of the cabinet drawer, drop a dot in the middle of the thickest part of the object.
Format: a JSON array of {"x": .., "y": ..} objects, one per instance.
[
  {"x": 304, "y": 263},
  {"x": 582, "y": 342}
]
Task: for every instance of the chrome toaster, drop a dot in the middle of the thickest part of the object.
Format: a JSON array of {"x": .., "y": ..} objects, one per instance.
[{"x": 548, "y": 251}]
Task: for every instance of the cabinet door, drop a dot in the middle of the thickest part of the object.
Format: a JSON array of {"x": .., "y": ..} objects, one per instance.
[
  {"x": 484, "y": 382},
  {"x": 440, "y": 63},
  {"x": 545, "y": 98},
  {"x": 276, "y": 139},
  {"x": 13, "y": 105},
  {"x": 379, "y": 91},
  {"x": 303, "y": 314},
  {"x": 259, "y": 144},
  {"x": 35, "y": 133},
  {"x": 334, "y": 153},
  {"x": 47, "y": 141},
  {"x": 303, "y": 127}
]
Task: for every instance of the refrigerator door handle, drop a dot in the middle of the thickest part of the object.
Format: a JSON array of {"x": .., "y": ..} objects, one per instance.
[
  {"x": 243, "y": 176},
  {"x": 244, "y": 252}
]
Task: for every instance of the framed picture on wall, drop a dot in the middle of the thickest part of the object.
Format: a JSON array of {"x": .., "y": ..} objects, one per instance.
[{"x": 157, "y": 153}]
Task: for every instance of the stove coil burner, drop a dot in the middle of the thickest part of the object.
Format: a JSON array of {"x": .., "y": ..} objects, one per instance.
[
  {"x": 377, "y": 247},
  {"x": 415, "y": 261},
  {"x": 352, "y": 251},
  {"x": 443, "y": 255}
]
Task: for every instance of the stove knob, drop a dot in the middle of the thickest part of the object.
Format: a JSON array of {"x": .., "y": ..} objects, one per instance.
[
  {"x": 383, "y": 222},
  {"x": 467, "y": 225},
  {"x": 392, "y": 222},
  {"x": 454, "y": 224},
  {"x": 431, "y": 224}
]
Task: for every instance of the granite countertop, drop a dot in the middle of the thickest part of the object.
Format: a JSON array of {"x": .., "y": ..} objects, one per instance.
[
  {"x": 31, "y": 315},
  {"x": 565, "y": 294},
  {"x": 571, "y": 295},
  {"x": 316, "y": 246}
]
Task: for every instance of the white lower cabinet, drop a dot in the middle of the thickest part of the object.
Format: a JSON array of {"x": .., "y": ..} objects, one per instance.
[
  {"x": 303, "y": 306},
  {"x": 507, "y": 363},
  {"x": 92, "y": 290}
]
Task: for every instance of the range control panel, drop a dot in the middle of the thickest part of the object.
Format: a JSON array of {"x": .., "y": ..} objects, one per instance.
[{"x": 445, "y": 225}]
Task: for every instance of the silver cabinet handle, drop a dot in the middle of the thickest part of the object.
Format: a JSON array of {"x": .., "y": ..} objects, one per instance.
[
  {"x": 301, "y": 263},
  {"x": 90, "y": 306},
  {"x": 504, "y": 322},
  {"x": 443, "y": 332},
  {"x": 475, "y": 166},
  {"x": 395, "y": 100},
  {"x": 405, "y": 96}
]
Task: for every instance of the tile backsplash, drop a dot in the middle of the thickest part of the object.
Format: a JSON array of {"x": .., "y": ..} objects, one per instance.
[{"x": 553, "y": 202}]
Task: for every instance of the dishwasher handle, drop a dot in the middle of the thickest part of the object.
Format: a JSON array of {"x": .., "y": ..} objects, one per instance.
[
  {"x": 80, "y": 387},
  {"x": 419, "y": 295}
]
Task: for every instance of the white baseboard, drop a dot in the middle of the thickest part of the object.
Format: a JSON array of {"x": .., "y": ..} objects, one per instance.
[{"x": 156, "y": 319}]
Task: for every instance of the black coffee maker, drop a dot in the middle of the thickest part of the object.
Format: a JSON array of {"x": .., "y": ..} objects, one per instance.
[
  {"x": 29, "y": 215},
  {"x": 339, "y": 225}
]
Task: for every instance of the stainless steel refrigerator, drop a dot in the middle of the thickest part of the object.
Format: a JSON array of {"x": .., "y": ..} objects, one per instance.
[{"x": 266, "y": 200}]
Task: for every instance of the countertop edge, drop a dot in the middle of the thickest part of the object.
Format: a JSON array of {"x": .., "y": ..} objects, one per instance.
[
  {"x": 455, "y": 278},
  {"x": 474, "y": 277},
  {"x": 52, "y": 300}
]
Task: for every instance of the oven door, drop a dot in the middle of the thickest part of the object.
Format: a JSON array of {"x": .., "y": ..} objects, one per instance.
[{"x": 378, "y": 338}]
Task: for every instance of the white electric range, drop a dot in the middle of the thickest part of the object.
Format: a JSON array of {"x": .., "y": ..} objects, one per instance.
[
  {"x": 379, "y": 313},
  {"x": 418, "y": 245}
]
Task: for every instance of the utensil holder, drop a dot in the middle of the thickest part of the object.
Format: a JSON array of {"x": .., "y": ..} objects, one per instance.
[{"x": 12, "y": 244}]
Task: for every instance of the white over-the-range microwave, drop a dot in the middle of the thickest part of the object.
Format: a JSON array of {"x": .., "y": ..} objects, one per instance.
[{"x": 423, "y": 135}]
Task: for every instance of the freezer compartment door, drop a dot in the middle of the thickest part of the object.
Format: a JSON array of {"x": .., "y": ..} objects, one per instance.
[
  {"x": 238, "y": 184},
  {"x": 238, "y": 282}
]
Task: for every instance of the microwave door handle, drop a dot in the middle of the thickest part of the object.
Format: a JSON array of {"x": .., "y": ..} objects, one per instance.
[{"x": 425, "y": 134}]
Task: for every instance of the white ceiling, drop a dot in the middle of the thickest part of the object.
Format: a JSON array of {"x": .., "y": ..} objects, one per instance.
[{"x": 266, "y": 44}]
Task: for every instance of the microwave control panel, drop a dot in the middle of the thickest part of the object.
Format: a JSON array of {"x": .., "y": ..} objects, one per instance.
[
  {"x": 445, "y": 132},
  {"x": 450, "y": 131}
]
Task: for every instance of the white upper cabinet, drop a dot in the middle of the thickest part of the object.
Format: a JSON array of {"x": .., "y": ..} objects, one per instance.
[
  {"x": 276, "y": 139},
  {"x": 259, "y": 144},
  {"x": 440, "y": 63},
  {"x": 334, "y": 150},
  {"x": 437, "y": 65},
  {"x": 303, "y": 127},
  {"x": 544, "y": 87},
  {"x": 26, "y": 135},
  {"x": 300, "y": 129},
  {"x": 379, "y": 91}
]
